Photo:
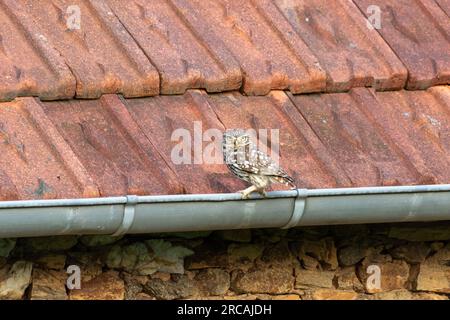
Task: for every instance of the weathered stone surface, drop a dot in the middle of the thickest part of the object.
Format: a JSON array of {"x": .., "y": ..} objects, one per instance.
[
  {"x": 183, "y": 235},
  {"x": 407, "y": 295},
  {"x": 98, "y": 240},
  {"x": 242, "y": 256},
  {"x": 261, "y": 297},
  {"x": 307, "y": 279},
  {"x": 143, "y": 296},
  {"x": 133, "y": 285},
  {"x": 434, "y": 274},
  {"x": 352, "y": 254},
  {"x": 414, "y": 252},
  {"x": 164, "y": 276},
  {"x": 157, "y": 255},
  {"x": 393, "y": 274},
  {"x": 273, "y": 280},
  {"x": 323, "y": 251},
  {"x": 243, "y": 235},
  {"x": 168, "y": 258},
  {"x": 6, "y": 246},
  {"x": 270, "y": 235},
  {"x": 347, "y": 280},
  {"x": 299, "y": 265},
  {"x": 15, "y": 280},
  {"x": 52, "y": 261},
  {"x": 330, "y": 294},
  {"x": 349, "y": 232},
  {"x": 434, "y": 233},
  {"x": 309, "y": 263},
  {"x": 209, "y": 255},
  {"x": 49, "y": 285},
  {"x": 107, "y": 286},
  {"x": 213, "y": 281},
  {"x": 277, "y": 255},
  {"x": 436, "y": 246},
  {"x": 179, "y": 287},
  {"x": 59, "y": 243},
  {"x": 90, "y": 263},
  {"x": 128, "y": 257}
]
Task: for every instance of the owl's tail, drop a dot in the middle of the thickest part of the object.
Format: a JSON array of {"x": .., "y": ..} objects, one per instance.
[
  {"x": 290, "y": 181},
  {"x": 286, "y": 179}
]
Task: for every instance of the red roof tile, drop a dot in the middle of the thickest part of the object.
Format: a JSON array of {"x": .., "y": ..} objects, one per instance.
[
  {"x": 169, "y": 113},
  {"x": 445, "y": 5},
  {"x": 183, "y": 61},
  {"x": 268, "y": 60},
  {"x": 116, "y": 146},
  {"x": 29, "y": 65},
  {"x": 419, "y": 33},
  {"x": 103, "y": 57},
  {"x": 111, "y": 147},
  {"x": 350, "y": 53},
  {"x": 252, "y": 50},
  {"x": 142, "y": 48},
  {"x": 36, "y": 162}
]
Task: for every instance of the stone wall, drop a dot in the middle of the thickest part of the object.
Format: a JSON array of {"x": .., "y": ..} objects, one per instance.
[{"x": 340, "y": 262}]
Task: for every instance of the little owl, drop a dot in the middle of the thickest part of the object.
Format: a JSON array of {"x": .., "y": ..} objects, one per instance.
[{"x": 250, "y": 164}]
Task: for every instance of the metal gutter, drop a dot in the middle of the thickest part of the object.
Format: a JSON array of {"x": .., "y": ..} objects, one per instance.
[{"x": 177, "y": 213}]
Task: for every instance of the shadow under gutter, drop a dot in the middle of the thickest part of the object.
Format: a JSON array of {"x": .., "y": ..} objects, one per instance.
[{"x": 201, "y": 212}]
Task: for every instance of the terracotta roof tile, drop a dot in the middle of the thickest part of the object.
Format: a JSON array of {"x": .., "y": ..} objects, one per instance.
[
  {"x": 183, "y": 61},
  {"x": 419, "y": 33},
  {"x": 111, "y": 147},
  {"x": 417, "y": 125},
  {"x": 445, "y": 5},
  {"x": 103, "y": 57},
  {"x": 268, "y": 60},
  {"x": 360, "y": 148},
  {"x": 350, "y": 53},
  {"x": 36, "y": 162},
  {"x": 193, "y": 115},
  {"x": 260, "y": 56},
  {"x": 117, "y": 146},
  {"x": 300, "y": 151},
  {"x": 29, "y": 66},
  {"x": 142, "y": 48}
]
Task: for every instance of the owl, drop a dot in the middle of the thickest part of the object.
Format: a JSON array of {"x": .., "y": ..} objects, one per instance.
[{"x": 250, "y": 164}]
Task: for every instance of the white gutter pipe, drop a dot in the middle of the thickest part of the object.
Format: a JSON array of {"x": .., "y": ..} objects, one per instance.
[{"x": 201, "y": 212}]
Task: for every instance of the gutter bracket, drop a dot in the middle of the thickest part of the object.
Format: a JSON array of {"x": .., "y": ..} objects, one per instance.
[
  {"x": 128, "y": 216},
  {"x": 299, "y": 209}
]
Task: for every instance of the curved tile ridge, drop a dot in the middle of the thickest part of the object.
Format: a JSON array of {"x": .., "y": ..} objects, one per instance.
[
  {"x": 351, "y": 54},
  {"x": 183, "y": 61},
  {"x": 267, "y": 60},
  {"x": 419, "y": 33},
  {"x": 29, "y": 65},
  {"x": 35, "y": 159},
  {"x": 102, "y": 56},
  {"x": 172, "y": 144}
]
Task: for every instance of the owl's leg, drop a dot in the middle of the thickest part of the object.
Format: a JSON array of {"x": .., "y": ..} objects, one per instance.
[{"x": 246, "y": 193}]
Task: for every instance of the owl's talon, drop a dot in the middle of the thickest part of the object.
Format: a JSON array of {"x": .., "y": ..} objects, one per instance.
[
  {"x": 263, "y": 193},
  {"x": 246, "y": 193}
]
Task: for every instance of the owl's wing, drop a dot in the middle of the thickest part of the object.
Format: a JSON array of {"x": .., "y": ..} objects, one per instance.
[{"x": 261, "y": 164}]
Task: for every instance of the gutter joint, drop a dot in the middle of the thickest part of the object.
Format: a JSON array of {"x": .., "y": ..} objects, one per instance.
[{"x": 298, "y": 210}]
